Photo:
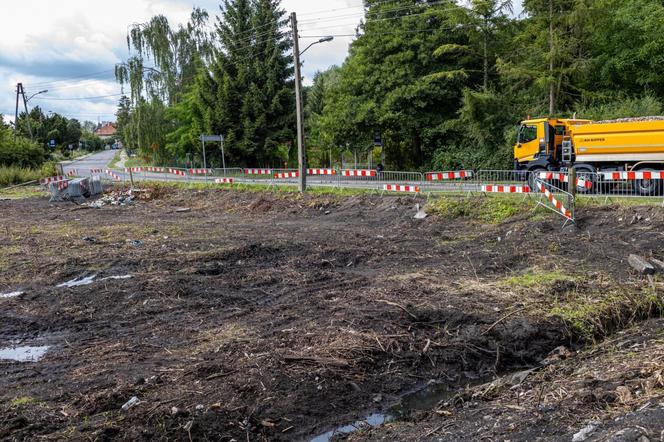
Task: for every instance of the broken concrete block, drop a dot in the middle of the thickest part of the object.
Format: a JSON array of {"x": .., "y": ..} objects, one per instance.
[{"x": 641, "y": 265}]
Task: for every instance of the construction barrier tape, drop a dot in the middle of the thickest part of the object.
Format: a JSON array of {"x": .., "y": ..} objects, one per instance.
[
  {"x": 499, "y": 188},
  {"x": 457, "y": 175},
  {"x": 401, "y": 188}
]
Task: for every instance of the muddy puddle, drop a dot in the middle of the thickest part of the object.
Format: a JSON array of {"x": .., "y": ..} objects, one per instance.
[
  {"x": 421, "y": 398},
  {"x": 23, "y": 353}
]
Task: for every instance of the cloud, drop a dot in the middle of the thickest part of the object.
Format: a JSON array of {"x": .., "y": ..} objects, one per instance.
[{"x": 70, "y": 47}]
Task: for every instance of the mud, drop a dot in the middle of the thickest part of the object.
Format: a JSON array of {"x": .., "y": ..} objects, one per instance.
[{"x": 272, "y": 317}]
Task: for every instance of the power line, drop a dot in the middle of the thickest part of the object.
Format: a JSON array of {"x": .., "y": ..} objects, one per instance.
[
  {"x": 64, "y": 80},
  {"x": 77, "y": 98},
  {"x": 368, "y": 14}
]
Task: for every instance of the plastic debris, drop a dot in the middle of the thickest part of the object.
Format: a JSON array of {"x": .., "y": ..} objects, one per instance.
[
  {"x": 78, "y": 281},
  {"x": 130, "y": 403}
]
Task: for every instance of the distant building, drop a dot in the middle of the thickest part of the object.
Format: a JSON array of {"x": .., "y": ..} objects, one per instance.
[{"x": 106, "y": 131}]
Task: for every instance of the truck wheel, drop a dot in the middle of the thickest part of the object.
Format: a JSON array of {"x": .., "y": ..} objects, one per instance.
[
  {"x": 590, "y": 178},
  {"x": 533, "y": 176},
  {"x": 648, "y": 187}
]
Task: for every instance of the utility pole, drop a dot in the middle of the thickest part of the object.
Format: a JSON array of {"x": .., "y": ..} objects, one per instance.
[
  {"x": 301, "y": 153},
  {"x": 27, "y": 115},
  {"x": 20, "y": 91},
  {"x": 18, "y": 88}
]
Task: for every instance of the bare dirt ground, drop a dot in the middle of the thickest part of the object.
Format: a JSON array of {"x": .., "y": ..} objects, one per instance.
[{"x": 261, "y": 316}]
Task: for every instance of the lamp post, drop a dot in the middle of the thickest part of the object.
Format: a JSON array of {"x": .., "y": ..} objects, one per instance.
[
  {"x": 301, "y": 152},
  {"x": 27, "y": 114}
]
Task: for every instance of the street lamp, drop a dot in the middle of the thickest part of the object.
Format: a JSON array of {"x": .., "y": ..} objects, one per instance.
[
  {"x": 27, "y": 113},
  {"x": 301, "y": 152},
  {"x": 36, "y": 93},
  {"x": 322, "y": 40}
]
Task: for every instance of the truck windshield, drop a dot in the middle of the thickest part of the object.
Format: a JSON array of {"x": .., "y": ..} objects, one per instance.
[{"x": 527, "y": 134}]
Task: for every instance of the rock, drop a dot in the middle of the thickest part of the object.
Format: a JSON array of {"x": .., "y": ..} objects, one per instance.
[
  {"x": 421, "y": 214},
  {"x": 640, "y": 265},
  {"x": 378, "y": 398},
  {"x": 519, "y": 377},
  {"x": 183, "y": 210},
  {"x": 658, "y": 264},
  {"x": 584, "y": 433},
  {"x": 630, "y": 434},
  {"x": 200, "y": 407},
  {"x": 174, "y": 411},
  {"x": 130, "y": 403}
]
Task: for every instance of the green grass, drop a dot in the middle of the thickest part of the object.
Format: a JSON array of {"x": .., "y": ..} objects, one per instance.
[
  {"x": 538, "y": 277},
  {"x": 21, "y": 401},
  {"x": 598, "y": 200},
  {"x": 11, "y": 175},
  {"x": 597, "y": 314},
  {"x": 136, "y": 161},
  {"x": 22, "y": 192},
  {"x": 262, "y": 188},
  {"x": 489, "y": 209},
  {"x": 116, "y": 159}
]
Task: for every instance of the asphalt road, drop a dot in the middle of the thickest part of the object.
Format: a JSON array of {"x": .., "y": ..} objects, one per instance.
[{"x": 97, "y": 160}]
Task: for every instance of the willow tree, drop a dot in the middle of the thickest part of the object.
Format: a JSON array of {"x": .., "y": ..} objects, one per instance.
[{"x": 176, "y": 55}]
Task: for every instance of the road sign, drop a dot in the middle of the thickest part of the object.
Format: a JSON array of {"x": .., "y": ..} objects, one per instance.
[
  {"x": 211, "y": 138},
  {"x": 378, "y": 140},
  {"x": 51, "y": 143}
]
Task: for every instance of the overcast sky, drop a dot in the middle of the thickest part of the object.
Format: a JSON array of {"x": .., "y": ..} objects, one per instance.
[{"x": 71, "y": 46}]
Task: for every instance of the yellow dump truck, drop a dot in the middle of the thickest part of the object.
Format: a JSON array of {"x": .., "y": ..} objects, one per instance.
[{"x": 625, "y": 145}]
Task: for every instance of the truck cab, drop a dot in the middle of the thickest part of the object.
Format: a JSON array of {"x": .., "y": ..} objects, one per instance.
[{"x": 540, "y": 142}]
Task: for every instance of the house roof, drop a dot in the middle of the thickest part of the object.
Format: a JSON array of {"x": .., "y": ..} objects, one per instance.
[{"x": 107, "y": 130}]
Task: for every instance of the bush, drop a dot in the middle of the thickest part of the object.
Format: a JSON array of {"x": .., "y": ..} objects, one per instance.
[
  {"x": 10, "y": 175},
  {"x": 22, "y": 153}
]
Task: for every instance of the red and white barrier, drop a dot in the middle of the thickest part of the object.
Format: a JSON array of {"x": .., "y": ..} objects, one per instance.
[
  {"x": 358, "y": 172},
  {"x": 133, "y": 169},
  {"x": 557, "y": 204},
  {"x": 401, "y": 188},
  {"x": 442, "y": 176},
  {"x": 61, "y": 185},
  {"x": 71, "y": 173},
  {"x": 96, "y": 171},
  {"x": 258, "y": 171},
  {"x": 321, "y": 172},
  {"x": 631, "y": 176},
  {"x": 224, "y": 181},
  {"x": 283, "y": 175},
  {"x": 499, "y": 188},
  {"x": 52, "y": 179},
  {"x": 177, "y": 172},
  {"x": 200, "y": 171},
  {"x": 154, "y": 169},
  {"x": 113, "y": 175},
  {"x": 557, "y": 176}
]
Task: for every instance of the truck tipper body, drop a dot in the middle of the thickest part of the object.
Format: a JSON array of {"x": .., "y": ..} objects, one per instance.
[{"x": 559, "y": 144}]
